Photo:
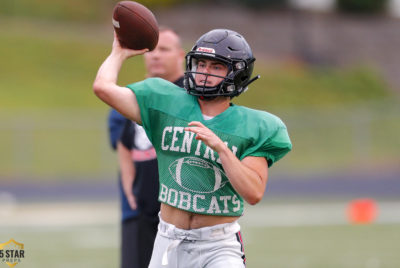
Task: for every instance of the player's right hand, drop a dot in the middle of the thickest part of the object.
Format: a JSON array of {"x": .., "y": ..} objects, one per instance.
[{"x": 125, "y": 52}]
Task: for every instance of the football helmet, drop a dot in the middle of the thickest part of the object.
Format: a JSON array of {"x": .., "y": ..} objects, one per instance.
[{"x": 229, "y": 48}]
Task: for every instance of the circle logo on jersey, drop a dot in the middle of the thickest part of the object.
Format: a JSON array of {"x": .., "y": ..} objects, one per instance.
[{"x": 197, "y": 175}]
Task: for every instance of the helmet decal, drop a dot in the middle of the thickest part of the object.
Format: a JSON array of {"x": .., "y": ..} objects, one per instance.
[{"x": 206, "y": 50}]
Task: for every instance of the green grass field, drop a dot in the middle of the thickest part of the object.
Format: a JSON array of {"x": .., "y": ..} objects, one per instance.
[
  {"x": 332, "y": 246},
  {"x": 87, "y": 235}
]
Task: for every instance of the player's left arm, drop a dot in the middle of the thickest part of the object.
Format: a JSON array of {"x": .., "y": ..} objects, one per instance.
[
  {"x": 249, "y": 177},
  {"x": 128, "y": 173}
]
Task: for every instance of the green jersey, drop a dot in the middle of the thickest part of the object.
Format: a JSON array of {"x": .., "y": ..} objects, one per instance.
[{"x": 191, "y": 174}]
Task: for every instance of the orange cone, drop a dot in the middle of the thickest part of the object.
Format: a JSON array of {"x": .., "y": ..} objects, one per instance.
[{"x": 362, "y": 211}]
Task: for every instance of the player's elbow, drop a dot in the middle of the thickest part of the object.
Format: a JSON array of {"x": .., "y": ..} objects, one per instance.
[
  {"x": 255, "y": 194},
  {"x": 100, "y": 89},
  {"x": 255, "y": 198},
  {"x": 97, "y": 87}
]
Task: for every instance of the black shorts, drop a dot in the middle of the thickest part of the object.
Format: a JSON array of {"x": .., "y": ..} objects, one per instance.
[{"x": 137, "y": 240}]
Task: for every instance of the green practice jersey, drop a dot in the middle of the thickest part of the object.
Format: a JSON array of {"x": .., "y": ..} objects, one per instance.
[{"x": 191, "y": 174}]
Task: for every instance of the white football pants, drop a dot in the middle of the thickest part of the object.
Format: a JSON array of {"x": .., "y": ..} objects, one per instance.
[{"x": 217, "y": 246}]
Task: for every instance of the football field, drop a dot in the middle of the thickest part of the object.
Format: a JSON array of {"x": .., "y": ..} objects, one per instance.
[{"x": 302, "y": 235}]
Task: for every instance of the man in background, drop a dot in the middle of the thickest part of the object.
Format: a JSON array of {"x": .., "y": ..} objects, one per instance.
[{"x": 138, "y": 164}]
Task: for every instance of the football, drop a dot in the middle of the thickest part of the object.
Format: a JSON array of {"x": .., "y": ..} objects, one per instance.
[{"x": 135, "y": 25}]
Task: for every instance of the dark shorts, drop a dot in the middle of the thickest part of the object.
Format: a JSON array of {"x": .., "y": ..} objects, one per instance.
[{"x": 137, "y": 240}]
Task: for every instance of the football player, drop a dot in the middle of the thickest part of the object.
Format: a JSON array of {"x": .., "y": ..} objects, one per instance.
[{"x": 212, "y": 155}]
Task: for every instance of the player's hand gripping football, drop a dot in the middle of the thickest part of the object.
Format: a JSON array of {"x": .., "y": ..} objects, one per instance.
[
  {"x": 206, "y": 135},
  {"x": 123, "y": 51}
]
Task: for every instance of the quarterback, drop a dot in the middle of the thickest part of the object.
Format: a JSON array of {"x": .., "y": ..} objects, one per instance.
[{"x": 212, "y": 155}]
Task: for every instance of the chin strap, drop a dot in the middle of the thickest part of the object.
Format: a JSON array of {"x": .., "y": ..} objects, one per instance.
[
  {"x": 206, "y": 98},
  {"x": 251, "y": 81}
]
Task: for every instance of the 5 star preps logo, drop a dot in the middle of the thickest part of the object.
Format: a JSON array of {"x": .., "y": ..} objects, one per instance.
[{"x": 11, "y": 252}]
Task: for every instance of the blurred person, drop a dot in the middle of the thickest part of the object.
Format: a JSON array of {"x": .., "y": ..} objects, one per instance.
[
  {"x": 212, "y": 154},
  {"x": 137, "y": 160}
]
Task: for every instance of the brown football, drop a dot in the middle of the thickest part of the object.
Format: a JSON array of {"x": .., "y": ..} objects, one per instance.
[{"x": 135, "y": 25}]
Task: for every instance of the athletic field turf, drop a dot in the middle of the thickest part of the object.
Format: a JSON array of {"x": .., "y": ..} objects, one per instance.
[{"x": 277, "y": 235}]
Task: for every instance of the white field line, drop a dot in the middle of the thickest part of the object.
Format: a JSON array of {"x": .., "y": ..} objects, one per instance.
[
  {"x": 262, "y": 215},
  {"x": 59, "y": 214}
]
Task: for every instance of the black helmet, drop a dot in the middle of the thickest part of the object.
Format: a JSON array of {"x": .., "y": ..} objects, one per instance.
[{"x": 231, "y": 49}]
